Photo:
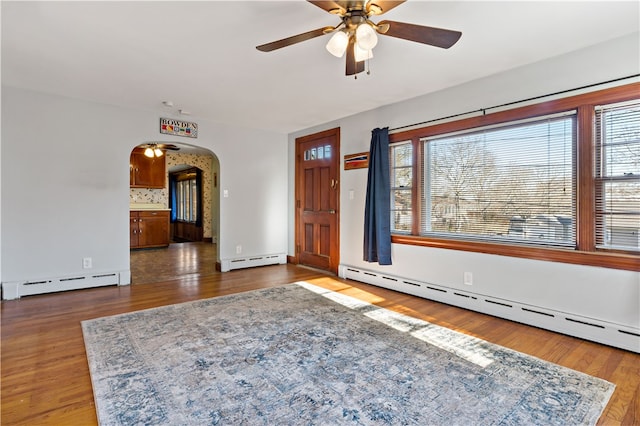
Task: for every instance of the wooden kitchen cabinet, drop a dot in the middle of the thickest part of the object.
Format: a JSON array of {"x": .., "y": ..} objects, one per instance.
[
  {"x": 145, "y": 172},
  {"x": 149, "y": 228}
]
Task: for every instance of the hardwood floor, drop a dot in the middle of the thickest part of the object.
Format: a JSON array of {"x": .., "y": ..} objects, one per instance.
[
  {"x": 44, "y": 372},
  {"x": 179, "y": 260}
]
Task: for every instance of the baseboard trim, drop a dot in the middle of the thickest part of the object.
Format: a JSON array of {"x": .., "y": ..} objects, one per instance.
[
  {"x": 227, "y": 265},
  {"x": 17, "y": 289},
  {"x": 617, "y": 335}
]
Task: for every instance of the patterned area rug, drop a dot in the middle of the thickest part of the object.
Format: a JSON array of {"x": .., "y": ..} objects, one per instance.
[{"x": 300, "y": 354}]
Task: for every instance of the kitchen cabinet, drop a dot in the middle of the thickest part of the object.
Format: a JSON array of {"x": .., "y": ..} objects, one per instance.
[
  {"x": 149, "y": 228},
  {"x": 145, "y": 172}
]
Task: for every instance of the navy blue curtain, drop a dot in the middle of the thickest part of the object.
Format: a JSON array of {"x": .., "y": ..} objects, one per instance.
[
  {"x": 377, "y": 216},
  {"x": 173, "y": 201}
]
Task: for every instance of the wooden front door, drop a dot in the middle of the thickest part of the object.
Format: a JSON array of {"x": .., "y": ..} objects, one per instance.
[{"x": 317, "y": 200}]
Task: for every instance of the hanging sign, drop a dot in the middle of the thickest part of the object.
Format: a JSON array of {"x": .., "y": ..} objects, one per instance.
[{"x": 174, "y": 127}]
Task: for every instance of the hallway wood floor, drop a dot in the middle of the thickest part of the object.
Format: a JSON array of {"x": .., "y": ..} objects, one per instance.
[
  {"x": 179, "y": 260},
  {"x": 44, "y": 373}
]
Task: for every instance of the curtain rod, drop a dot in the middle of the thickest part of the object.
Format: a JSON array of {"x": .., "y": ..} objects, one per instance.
[{"x": 484, "y": 110}]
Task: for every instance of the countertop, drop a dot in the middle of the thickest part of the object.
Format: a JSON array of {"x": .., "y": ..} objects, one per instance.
[{"x": 148, "y": 206}]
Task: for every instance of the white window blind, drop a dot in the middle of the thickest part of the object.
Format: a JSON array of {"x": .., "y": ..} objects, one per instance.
[
  {"x": 617, "y": 138},
  {"x": 401, "y": 177},
  {"x": 187, "y": 198},
  {"x": 512, "y": 183}
]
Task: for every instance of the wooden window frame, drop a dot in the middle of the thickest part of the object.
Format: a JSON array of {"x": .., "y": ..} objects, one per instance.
[
  {"x": 186, "y": 175},
  {"x": 585, "y": 252}
]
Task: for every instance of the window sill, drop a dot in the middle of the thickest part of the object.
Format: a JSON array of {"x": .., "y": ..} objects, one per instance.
[{"x": 627, "y": 262}]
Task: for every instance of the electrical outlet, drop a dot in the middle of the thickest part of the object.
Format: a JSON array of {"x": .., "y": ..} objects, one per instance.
[
  {"x": 238, "y": 249},
  {"x": 468, "y": 278},
  {"x": 87, "y": 263}
]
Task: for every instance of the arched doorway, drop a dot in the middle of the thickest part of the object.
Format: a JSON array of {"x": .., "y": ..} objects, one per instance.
[{"x": 185, "y": 259}]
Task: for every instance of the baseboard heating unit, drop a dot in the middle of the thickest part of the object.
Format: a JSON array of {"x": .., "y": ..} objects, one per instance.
[
  {"x": 611, "y": 334},
  {"x": 17, "y": 289},
  {"x": 252, "y": 261}
]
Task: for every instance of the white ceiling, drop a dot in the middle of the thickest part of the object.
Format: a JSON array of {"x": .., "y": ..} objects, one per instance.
[{"x": 202, "y": 56}]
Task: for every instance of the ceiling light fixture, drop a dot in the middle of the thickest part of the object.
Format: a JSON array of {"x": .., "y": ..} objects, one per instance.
[
  {"x": 358, "y": 32},
  {"x": 357, "y": 35},
  {"x": 361, "y": 54},
  {"x": 153, "y": 151},
  {"x": 366, "y": 37},
  {"x": 337, "y": 44}
]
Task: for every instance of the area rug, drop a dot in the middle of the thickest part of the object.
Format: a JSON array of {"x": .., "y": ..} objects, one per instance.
[{"x": 303, "y": 355}]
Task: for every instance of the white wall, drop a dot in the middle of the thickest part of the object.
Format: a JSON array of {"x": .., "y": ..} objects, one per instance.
[
  {"x": 601, "y": 293},
  {"x": 65, "y": 185}
]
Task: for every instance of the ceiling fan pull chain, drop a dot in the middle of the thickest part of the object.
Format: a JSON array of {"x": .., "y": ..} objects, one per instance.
[{"x": 355, "y": 66}]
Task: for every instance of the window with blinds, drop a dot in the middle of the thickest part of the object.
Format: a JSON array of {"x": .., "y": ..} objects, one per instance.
[
  {"x": 554, "y": 181},
  {"x": 617, "y": 186},
  {"x": 187, "y": 198},
  {"x": 513, "y": 183},
  {"x": 401, "y": 179}
]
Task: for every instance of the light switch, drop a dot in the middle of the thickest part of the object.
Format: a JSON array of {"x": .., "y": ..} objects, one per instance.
[
  {"x": 351, "y": 194},
  {"x": 225, "y": 193}
]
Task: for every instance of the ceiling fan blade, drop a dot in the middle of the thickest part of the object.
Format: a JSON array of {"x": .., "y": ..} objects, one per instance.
[
  {"x": 427, "y": 35},
  {"x": 378, "y": 7},
  {"x": 353, "y": 67},
  {"x": 335, "y": 7},
  {"x": 168, "y": 146},
  {"x": 268, "y": 47}
]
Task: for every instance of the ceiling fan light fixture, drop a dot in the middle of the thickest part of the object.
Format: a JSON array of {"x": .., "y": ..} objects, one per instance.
[
  {"x": 357, "y": 30},
  {"x": 157, "y": 152},
  {"x": 361, "y": 54},
  {"x": 366, "y": 36},
  {"x": 337, "y": 44},
  {"x": 149, "y": 152}
]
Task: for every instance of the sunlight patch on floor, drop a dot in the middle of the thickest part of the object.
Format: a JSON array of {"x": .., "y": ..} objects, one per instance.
[{"x": 466, "y": 347}]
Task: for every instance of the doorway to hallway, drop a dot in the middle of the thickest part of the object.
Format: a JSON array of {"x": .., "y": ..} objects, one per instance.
[{"x": 181, "y": 259}]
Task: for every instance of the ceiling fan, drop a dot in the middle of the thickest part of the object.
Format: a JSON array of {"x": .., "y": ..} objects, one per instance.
[
  {"x": 156, "y": 149},
  {"x": 356, "y": 33}
]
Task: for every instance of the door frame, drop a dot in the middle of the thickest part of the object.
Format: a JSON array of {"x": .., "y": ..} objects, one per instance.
[{"x": 334, "y": 256}]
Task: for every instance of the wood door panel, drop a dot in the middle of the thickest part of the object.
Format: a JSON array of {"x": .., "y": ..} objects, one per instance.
[
  {"x": 317, "y": 171},
  {"x": 308, "y": 238},
  {"x": 324, "y": 240},
  {"x": 325, "y": 194},
  {"x": 308, "y": 190},
  {"x": 317, "y": 238}
]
